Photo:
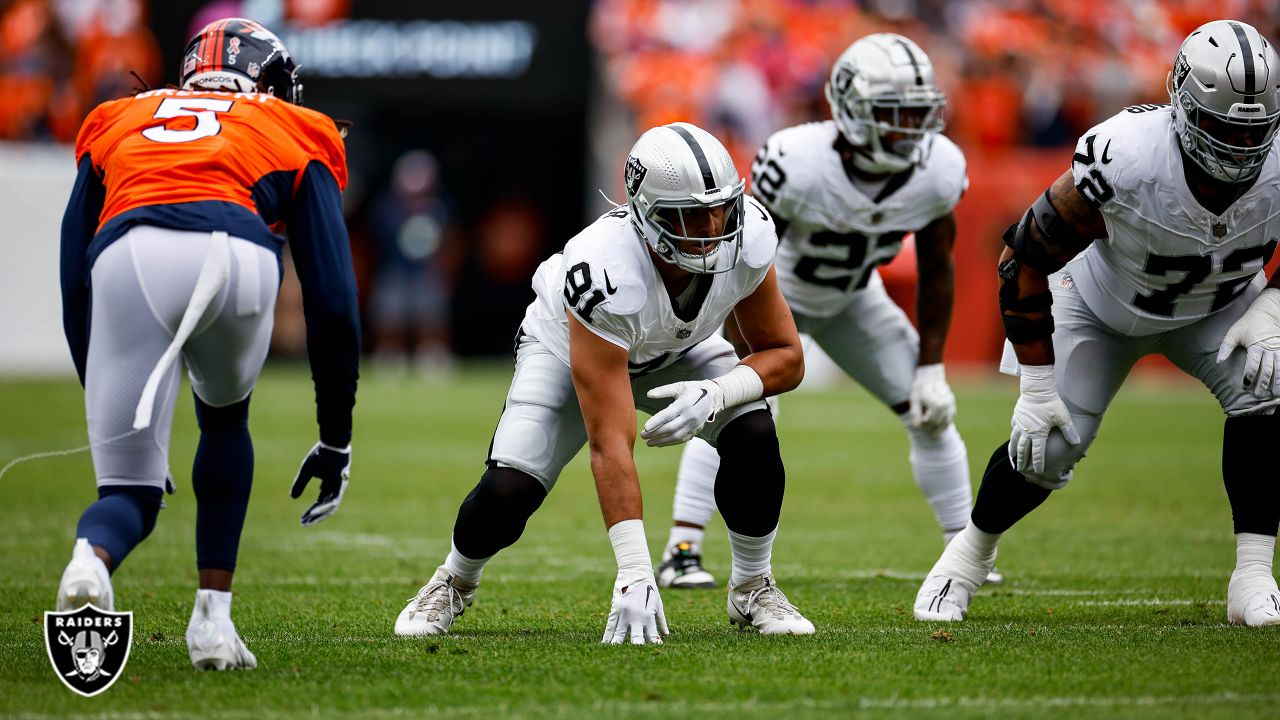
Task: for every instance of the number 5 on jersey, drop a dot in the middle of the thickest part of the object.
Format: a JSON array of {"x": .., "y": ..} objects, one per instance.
[{"x": 204, "y": 110}]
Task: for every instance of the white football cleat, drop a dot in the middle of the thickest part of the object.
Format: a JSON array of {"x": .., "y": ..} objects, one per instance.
[
  {"x": 432, "y": 610},
  {"x": 1253, "y": 599},
  {"x": 212, "y": 640},
  {"x": 86, "y": 581},
  {"x": 758, "y": 602},
  {"x": 681, "y": 569},
  {"x": 943, "y": 599}
]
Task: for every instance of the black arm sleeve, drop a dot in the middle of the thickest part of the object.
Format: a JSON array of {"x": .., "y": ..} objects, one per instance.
[
  {"x": 322, "y": 257},
  {"x": 79, "y": 223}
]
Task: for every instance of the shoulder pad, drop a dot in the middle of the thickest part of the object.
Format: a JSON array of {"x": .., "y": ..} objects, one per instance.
[
  {"x": 948, "y": 174},
  {"x": 319, "y": 137},
  {"x": 99, "y": 121},
  {"x": 606, "y": 256},
  {"x": 759, "y": 236},
  {"x": 1121, "y": 152},
  {"x": 784, "y": 167}
]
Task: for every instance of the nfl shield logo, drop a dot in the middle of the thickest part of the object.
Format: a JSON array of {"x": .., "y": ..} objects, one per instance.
[
  {"x": 88, "y": 647},
  {"x": 1219, "y": 230},
  {"x": 683, "y": 333}
]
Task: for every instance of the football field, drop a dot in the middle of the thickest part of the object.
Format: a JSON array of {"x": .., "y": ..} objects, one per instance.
[{"x": 1114, "y": 604}]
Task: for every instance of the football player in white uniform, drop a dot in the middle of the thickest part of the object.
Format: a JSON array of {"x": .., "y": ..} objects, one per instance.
[
  {"x": 1152, "y": 243},
  {"x": 843, "y": 194},
  {"x": 625, "y": 318}
]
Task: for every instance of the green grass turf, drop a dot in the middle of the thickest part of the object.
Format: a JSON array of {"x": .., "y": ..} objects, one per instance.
[{"x": 1115, "y": 604}]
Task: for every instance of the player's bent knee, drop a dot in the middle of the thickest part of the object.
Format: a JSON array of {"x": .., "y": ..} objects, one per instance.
[
  {"x": 1059, "y": 463},
  {"x": 228, "y": 417},
  {"x": 751, "y": 479},
  {"x": 494, "y": 513}
]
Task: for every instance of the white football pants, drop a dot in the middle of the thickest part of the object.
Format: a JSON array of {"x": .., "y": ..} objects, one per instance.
[{"x": 142, "y": 285}]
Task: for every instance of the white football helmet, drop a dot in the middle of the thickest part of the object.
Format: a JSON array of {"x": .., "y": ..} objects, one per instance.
[
  {"x": 674, "y": 172},
  {"x": 1225, "y": 92},
  {"x": 883, "y": 85}
]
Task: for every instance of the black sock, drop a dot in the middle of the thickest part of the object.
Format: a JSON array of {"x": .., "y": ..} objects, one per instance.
[
  {"x": 222, "y": 477},
  {"x": 1005, "y": 496},
  {"x": 1249, "y": 473},
  {"x": 122, "y": 517}
]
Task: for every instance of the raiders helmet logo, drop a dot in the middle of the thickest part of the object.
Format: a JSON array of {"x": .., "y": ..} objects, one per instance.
[
  {"x": 88, "y": 647},
  {"x": 1181, "y": 69},
  {"x": 634, "y": 175},
  {"x": 844, "y": 78}
]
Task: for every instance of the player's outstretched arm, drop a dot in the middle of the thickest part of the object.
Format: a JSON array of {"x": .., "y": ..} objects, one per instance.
[
  {"x": 931, "y": 404},
  {"x": 322, "y": 256},
  {"x": 603, "y": 386},
  {"x": 79, "y": 223},
  {"x": 1059, "y": 224}
]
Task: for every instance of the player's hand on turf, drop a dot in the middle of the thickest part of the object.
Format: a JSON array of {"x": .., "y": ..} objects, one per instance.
[
  {"x": 333, "y": 467},
  {"x": 1258, "y": 332},
  {"x": 1039, "y": 411},
  {"x": 636, "y": 611},
  {"x": 696, "y": 402},
  {"x": 933, "y": 405}
]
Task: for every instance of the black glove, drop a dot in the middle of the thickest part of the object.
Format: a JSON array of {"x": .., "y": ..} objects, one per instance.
[{"x": 333, "y": 467}]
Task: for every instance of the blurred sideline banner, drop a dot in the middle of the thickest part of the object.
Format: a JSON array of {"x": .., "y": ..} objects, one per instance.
[{"x": 35, "y": 182}]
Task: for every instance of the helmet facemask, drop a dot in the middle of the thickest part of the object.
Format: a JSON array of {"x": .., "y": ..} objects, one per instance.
[{"x": 694, "y": 232}]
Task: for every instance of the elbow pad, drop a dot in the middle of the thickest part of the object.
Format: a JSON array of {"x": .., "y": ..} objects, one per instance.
[{"x": 1041, "y": 253}]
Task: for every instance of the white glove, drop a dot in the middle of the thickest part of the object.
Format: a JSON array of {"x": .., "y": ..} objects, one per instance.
[
  {"x": 933, "y": 405},
  {"x": 1039, "y": 410},
  {"x": 696, "y": 403},
  {"x": 636, "y": 610},
  {"x": 1258, "y": 332}
]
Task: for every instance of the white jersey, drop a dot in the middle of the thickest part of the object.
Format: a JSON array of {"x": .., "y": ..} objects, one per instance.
[
  {"x": 1166, "y": 261},
  {"x": 834, "y": 235},
  {"x": 607, "y": 279}
]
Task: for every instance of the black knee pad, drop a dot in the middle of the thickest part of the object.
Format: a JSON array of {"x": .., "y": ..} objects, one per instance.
[
  {"x": 494, "y": 513},
  {"x": 231, "y": 417},
  {"x": 1249, "y": 475},
  {"x": 751, "y": 479},
  {"x": 146, "y": 498}
]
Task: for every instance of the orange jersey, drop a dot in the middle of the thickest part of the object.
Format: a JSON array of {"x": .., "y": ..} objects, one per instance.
[{"x": 175, "y": 146}]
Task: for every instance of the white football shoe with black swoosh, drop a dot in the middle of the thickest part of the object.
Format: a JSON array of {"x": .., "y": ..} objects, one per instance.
[{"x": 757, "y": 602}]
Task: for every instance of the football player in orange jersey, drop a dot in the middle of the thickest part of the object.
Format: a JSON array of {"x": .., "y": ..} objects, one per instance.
[{"x": 169, "y": 247}]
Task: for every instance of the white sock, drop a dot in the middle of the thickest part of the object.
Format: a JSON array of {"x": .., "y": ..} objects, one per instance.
[
  {"x": 695, "y": 498},
  {"x": 462, "y": 567},
  {"x": 1252, "y": 575},
  {"x": 751, "y": 555},
  {"x": 940, "y": 464},
  {"x": 680, "y": 534},
  {"x": 217, "y": 602},
  {"x": 968, "y": 556}
]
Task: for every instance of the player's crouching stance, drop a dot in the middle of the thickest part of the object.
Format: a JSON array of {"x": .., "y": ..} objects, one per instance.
[
  {"x": 1174, "y": 213},
  {"x": 166, "y": 241},
  {"x": 624, "y": 318},
  {"x": 843, "y": 194}
]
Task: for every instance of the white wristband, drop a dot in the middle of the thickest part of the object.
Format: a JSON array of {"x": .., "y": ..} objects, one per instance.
[
  {"x": 1037, "y": 379},
  {"x": 740, "y": 385},
  {"x": 630, "y": 548}
]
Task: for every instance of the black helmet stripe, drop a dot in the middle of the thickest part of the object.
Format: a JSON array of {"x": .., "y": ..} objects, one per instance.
[
  {"x": 915, "y": 64},
  {"x": 701, "y": 157},
  {"x": 1250, "y": 88}
]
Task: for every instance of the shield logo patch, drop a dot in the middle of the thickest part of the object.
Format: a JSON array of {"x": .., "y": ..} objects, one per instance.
[
  {"x": 88, "y": 647},
  {"x": 634, "y": 175}
]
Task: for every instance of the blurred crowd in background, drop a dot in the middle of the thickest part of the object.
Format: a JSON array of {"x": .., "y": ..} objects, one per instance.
[{"x": 1020, "y": 74}]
